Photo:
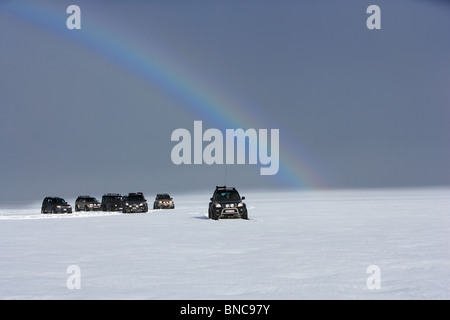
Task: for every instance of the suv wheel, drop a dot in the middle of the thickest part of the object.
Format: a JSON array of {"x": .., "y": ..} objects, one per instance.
[{"x": 212, "y": 215}]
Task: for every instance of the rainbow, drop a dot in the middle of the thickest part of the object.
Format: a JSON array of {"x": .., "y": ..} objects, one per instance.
[{"x": 203, "y": 100}]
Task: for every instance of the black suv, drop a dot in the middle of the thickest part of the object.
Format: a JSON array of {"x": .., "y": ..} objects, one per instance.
[
  {"x": 112, "y": 202},
  {"x": 55, "y": 205},
  {"x": 87, "y": 203},
  {"x": 135, "y": 202},
  {"x": 163, "y": 201},
  {"x": 227, "y": 203}
]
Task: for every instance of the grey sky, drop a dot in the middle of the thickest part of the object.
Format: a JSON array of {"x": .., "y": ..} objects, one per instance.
[{"x": 368, "y": 108}]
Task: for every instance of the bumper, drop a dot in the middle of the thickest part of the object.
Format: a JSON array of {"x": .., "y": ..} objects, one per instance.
[
  {"x": 63, "y": 210},
  {"x": 165, "y": 206},
  {"x": 135, "y": 209},
  {"x": 114, "y": 207},
  {"x": 96, "y": 208},
  {"x": 230, "y": 212}
]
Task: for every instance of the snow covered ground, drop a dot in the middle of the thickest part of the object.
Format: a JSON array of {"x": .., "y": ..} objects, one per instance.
[{"x": 296, "y": 245}]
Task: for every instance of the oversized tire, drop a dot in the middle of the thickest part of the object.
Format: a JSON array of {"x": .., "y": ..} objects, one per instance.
[{"x": 212, "y": 215}]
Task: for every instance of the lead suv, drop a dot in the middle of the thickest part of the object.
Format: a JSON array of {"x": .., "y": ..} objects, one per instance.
[
  {"x": 55, "y": 205},
  {"x": 227, "y": 203}
]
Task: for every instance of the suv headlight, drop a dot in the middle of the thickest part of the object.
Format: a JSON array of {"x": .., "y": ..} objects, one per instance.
[
  {"x": 218, "y": 205},
  {"x": 240, "y": 204}
]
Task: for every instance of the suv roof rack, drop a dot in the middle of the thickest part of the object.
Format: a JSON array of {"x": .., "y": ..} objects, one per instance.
[{"x": 225, "y": 187}]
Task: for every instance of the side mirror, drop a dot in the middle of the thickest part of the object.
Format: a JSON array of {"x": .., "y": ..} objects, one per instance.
[
  {"x": 243, "y": 198},
  {"x": 210, "y": 199}
]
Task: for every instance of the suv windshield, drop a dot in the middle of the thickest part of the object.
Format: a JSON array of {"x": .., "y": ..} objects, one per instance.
[
  {"x": 136, "y": 198},
  {"x": 59, "y": 200},
  {"x": 163, "y": 196},
  {"x": 227, "y": 195},
  {"x": 113, "y": 198}
]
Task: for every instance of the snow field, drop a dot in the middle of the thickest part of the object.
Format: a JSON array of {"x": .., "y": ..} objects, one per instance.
[{"x": 296, "y": 245}]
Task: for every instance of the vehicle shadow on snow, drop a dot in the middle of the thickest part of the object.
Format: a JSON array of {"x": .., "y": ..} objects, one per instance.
[{"x": 204, "y": 217}]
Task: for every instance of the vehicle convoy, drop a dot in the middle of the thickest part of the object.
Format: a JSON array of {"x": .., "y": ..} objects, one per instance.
[
  {"x": 87, "y": 203},
  {"x": 135, "y": 202},
  {"x": 163, "y": 201},
  {"x": 227, "y": 203},
  {"x": 55, "y": 205},
  {"x": 112, "y": 202}
]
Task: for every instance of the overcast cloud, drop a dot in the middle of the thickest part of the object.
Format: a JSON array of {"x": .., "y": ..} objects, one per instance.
[{"x": 358, "y": 107}]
